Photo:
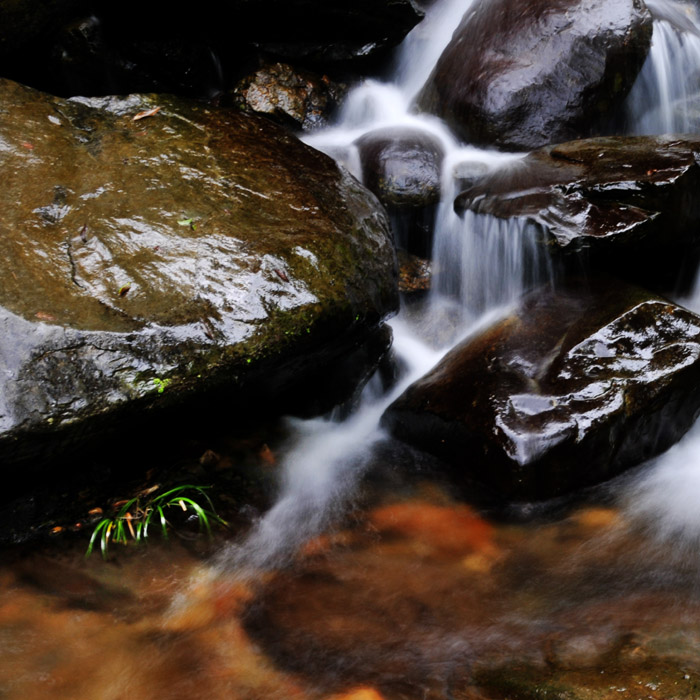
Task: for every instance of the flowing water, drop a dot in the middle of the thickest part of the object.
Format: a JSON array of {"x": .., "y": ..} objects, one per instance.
[{"x": 369, "y": 577}]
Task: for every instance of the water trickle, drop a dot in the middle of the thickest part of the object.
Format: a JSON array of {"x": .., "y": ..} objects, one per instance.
[
  {"x": 666, "y": 97},
  {"x": 321, "y": 471}
]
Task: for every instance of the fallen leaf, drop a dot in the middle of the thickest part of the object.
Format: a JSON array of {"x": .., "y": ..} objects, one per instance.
[
  {"x": 187, "y": 222},
  {"x": 282, "y": 275},
  {"x": 56, "y": 530},
  {"x": 42, "y": 316},
  {"x": 124, "y": 290},
  {"x": 95, "y": 511},
  {"x": 28, "y": 145},
  {"x": 267, "y": 455},
  {"x": 147, "y": 113},
  {"x": 84, "y": 233}
]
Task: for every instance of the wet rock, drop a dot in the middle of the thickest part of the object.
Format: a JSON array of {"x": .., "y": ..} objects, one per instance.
[
  {"x": 628, "y": 203},
  {"x": 156, "y": 251},
  {"x": 297, "y": 97},
  {"x": 550, "y": 72},
  {"x": 468, "y": 173},
  {"x": 570, "y": 389},
  {"x": 402, "y": 166},
  {"x": 414, "y": 274}
]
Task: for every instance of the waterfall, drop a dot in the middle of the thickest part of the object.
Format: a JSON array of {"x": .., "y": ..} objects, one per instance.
[
  {"x": 480, "y": 265},
  {"x": 665, "y": 99}
]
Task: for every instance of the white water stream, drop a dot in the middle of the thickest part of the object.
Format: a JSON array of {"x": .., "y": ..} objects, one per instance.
[{"x": 480, "y": 266}]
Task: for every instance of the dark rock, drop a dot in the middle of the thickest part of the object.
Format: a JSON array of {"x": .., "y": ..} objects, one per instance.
[
  {"x": 323, "y": 33},
  {"x": 88, "y": 58},
  {"x": 544, "y": 73},
  {"x": 567, "y": 391},
  {"x": 189, "y": 50},
  {"x": 629, "y": 203},
  {"x": 148, "y": 262},
  {"x": 403, "y": 166},
  {"x": 24, "y": 22},
  {"x": 304, "y": 99}
]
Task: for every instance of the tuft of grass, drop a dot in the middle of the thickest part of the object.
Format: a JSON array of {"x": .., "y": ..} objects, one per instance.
[{"x": 132, "y": 520}]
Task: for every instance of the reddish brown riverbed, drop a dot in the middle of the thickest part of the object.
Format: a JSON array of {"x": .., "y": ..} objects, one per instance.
[{"x": 414, "y": 597}]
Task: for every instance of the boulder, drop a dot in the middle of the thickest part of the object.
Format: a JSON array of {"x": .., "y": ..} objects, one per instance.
[
  {"x": 568, "y": 390},
  {"x": 403, "y": 167},
  {"x": 298, "y": 98},
  {"x": 546, "y": 72},
  {"x": 628, "y": 203},
  {"x": 156, "y": 251}
]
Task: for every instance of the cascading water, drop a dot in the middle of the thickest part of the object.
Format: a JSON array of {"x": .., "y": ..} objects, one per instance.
[
  {"x": 666, "y": 97},
  {"x": 480, "y": 265}
]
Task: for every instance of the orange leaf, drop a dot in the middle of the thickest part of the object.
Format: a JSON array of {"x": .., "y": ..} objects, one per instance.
[{"x": 147, "y": 113}]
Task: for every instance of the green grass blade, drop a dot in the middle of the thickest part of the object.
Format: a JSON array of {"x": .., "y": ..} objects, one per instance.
[
  {"x": 163, "y": 521},
  {"x": 98, "y": 529},
  {"x": 201, "y": 514}
]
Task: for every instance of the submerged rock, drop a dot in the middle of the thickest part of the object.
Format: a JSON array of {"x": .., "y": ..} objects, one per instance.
[
  {"x": 544, "y": 73},
  {"x": 568, "y": 390},
  {"x": 629, "y": 203},
  {"x": 156, "y": 250},
  {"x": 403, "y": 166}
]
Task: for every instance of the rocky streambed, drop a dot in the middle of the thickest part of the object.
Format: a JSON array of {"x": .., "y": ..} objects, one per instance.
[{"x": 179, "y": 271}]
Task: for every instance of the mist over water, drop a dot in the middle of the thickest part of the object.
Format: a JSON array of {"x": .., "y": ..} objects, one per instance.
[{"x": 481, "y": 265}]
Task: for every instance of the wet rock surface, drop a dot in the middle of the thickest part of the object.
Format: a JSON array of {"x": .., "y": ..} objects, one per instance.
[
  {"x": 150, "y": 261},
  {"x": 402, "y": 166},
  {"x": 298, "y": 98},
  {"x": 546, "y": 73},
  {"x": 627, "y": 203},
  {"x": 414, "y": 275},
  {"x": 568, "y": 390}
]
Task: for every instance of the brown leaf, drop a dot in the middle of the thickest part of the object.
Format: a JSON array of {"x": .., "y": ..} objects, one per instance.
[
  {"x": 147, "y": 113},
  {"x": 282, "y": 275},
  {"x": 266, "y": 455},
  {"x": 42, "y": 316}
]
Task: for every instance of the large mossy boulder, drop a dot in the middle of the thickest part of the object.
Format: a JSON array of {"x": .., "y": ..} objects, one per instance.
[
  {"x": 626, "y": 204},
  {"x": 149, "y": 261},
  {"x": 571, "y": 388},
  {"x": 543, "y": 72}
]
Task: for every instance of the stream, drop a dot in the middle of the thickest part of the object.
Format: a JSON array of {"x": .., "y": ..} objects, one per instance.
[{"x": 371, "y": 577}]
